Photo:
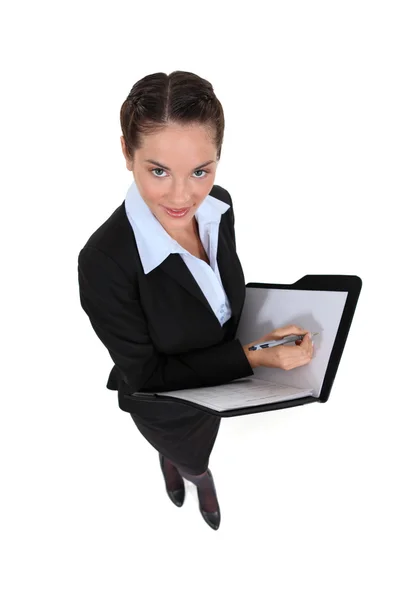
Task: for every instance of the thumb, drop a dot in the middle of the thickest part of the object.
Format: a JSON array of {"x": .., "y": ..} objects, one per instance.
[
  {"x": 294, "y": 329},
  {"x": 282, "y": 332}
]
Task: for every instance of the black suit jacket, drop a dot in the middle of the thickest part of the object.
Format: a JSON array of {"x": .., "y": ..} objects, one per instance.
[{"x": 159, "y": 328}]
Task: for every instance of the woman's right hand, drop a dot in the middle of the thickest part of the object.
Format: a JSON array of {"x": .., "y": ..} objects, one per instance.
[{"x": 284, "y": 357}]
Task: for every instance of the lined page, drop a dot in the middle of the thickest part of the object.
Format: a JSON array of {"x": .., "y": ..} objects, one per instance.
[{"x": 241, "y": 393}]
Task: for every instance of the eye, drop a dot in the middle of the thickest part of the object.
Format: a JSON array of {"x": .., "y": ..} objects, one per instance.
[
  {"x": 200, "y": 171},
  {"x": 157, "y": 169}
]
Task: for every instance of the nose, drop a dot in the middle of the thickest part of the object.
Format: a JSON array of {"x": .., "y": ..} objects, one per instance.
[
  {"x": 181, "y": 201},
  {"x": 179, "y": 194}
]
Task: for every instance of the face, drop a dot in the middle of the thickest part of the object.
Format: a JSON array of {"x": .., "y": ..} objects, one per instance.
[{"x": 170, "y": 171}]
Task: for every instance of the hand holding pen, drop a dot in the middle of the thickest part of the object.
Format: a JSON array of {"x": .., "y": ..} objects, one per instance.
[
  {"x": 285, "y": 340},
  {"x": 280, "y": 355}
]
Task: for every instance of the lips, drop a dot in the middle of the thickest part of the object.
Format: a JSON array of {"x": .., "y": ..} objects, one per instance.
[
  {"x": 176, "y": 213},
  {"x": 177, "y": 209}
]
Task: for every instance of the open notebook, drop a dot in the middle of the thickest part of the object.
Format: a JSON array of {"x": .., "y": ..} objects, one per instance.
[{"x": 266, "y": 309}]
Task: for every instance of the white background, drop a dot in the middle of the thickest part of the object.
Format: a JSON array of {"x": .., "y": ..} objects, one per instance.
[{"x": 309, "y": 497}]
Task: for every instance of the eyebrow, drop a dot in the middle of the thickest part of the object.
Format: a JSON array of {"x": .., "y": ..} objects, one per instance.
[{"x": 154, "y": 162}]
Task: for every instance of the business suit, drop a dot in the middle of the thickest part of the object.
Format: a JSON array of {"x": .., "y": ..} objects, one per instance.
[{"x": 162, "y": 334}]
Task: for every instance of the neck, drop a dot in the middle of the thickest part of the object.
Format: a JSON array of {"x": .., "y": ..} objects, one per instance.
[{"x": 191, "y": 232}]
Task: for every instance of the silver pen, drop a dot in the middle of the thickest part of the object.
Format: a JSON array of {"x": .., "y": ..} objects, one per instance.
[{"x": 285, "y": 340}]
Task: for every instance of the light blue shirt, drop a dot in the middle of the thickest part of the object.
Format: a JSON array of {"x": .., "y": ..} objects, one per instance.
[{"x": 155, "y": 244}]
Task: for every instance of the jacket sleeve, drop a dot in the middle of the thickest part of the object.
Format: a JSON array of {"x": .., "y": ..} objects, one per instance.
[{"x": 114, "y": 310}]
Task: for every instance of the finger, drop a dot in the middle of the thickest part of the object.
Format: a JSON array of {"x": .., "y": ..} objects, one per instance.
[
  {"x": 306, "y": 339},
  {"x": 288, "y": 330},
  {"x": 294, "y": 330},
  {"x": 305, "y": 352},
  {"x": 307, "y": 344},
  {"x": 310, "y": 345},
  {"x": 295, "y": 357},
  {"x": 297, "y": 329}
]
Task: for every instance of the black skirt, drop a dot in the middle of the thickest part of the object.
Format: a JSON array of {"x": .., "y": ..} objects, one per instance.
[{"x": 184, "y": 434}]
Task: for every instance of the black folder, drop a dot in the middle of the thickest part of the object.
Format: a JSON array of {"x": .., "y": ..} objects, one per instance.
[{"x": 314, "y": 302}]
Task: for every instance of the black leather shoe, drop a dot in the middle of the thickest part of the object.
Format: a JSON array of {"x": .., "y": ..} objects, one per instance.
[
  {"x": 177, "y": 496},
  {"x": 213, "y": 519}
]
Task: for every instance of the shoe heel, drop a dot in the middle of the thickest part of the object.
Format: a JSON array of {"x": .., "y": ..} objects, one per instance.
[
  {"x": 213, "y": 519},
  {"x": 176, "y": 496}
]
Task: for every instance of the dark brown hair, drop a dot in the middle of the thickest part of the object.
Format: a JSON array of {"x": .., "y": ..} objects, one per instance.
[{"x": 160, "y": 99}]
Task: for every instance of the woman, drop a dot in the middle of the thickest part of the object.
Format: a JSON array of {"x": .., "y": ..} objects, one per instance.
[{"x": 162, "y": 284}]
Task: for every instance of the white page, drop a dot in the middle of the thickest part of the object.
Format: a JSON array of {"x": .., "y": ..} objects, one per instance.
[
  {"x": 266, "y": 309},
  {"x": 244, "y": 392}
]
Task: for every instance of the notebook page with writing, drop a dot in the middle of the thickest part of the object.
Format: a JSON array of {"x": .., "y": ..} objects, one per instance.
[{"x": 240, "y": 393}]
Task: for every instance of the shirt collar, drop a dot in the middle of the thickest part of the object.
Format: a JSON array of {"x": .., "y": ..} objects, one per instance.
[{"x": 153, "y": 242}]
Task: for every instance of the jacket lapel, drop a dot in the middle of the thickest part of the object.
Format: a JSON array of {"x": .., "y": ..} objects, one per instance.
[{"x": 176, "y": 267}]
